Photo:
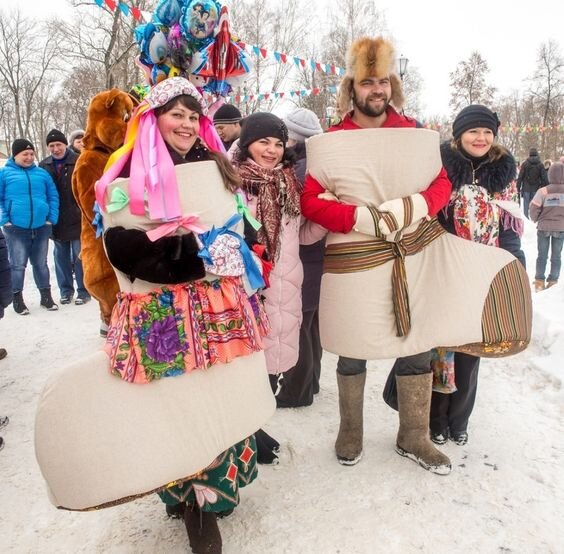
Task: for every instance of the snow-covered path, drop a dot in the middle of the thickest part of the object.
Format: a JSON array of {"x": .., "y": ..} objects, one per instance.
[{"x": 505, "y": 493}]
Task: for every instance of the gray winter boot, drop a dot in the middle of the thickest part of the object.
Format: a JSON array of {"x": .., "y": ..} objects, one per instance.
[
  {"x": 348, "y": 445},
  {"x": 413, "y": 442}
]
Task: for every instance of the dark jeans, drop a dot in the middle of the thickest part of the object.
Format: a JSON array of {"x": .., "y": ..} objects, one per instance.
[
  {"x": 554, "y": 241},
  {"x": 68, "y": 263},
  {"x": 452, "y": 411},
  {"x": 418, "y": 364},
  {"x": 32, "y": 245},
  {"x": 527, "y": 197},
  {"x": 299, "y": 384}
]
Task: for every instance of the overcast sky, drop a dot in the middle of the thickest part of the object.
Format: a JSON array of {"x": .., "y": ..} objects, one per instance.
[{"x": 436, "y": 35}]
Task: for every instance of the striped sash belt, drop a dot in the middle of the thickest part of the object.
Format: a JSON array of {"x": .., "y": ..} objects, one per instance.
[{"x": 350, "y": 257}]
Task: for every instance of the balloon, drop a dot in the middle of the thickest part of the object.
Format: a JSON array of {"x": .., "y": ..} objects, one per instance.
[
  {"x": 168, "y": 12},
  {"x": 199, "y": 19},
  {"x": 152, "y": 43}
]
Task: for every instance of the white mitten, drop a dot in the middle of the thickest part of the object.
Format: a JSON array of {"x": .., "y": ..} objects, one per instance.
[
  {"x": 366, "y": 221},
  {"x": 328, "y": 196},
  {"x": 401, "y": 212}
]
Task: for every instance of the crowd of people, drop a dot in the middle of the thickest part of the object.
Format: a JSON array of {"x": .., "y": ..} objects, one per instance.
[{"x": 257, "y": 277}]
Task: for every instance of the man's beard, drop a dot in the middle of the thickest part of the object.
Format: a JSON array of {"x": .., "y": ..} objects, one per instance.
[{"x": 366, "y": 109}]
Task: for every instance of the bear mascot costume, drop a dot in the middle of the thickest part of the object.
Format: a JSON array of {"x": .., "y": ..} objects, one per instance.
[{"x": 108, "y": 114}]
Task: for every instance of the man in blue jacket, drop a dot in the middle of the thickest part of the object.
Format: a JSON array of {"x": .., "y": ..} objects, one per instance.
[{"x": 29, "y": 206}]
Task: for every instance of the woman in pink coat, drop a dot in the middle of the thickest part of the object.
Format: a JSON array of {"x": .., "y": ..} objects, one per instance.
[{"x": 273, "y": 197}]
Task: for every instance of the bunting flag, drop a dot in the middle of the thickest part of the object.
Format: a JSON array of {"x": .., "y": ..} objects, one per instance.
[
  {"x": 124, "y": 8},
  {"x": 281, "y": 57},
  {"x": 276, "y": 95}
]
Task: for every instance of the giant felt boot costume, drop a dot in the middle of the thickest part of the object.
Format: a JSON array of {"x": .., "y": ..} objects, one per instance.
[
  {"x": 413, "y": 442},
  {"x": 348, "y": 445}
]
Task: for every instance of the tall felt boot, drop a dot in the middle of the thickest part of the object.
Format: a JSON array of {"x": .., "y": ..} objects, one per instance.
[
  {"x": 413, "y": 442},
  {"x": 47, "y": 300},
  {"x": 203, "y": 532},
  {"x": 348, "y": 445}
]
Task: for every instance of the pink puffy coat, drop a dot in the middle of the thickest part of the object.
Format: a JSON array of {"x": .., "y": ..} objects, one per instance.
[{"x": 283, "y": 299}]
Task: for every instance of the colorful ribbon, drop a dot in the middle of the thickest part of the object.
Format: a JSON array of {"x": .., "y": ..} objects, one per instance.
[
  {"x": 253, "y": 273},
  {"x": 118, "y": 201},
  {"x": 189, "y": 222},
  {"x": 98, "y": 220},
  {"x": 243, "y": 210}
]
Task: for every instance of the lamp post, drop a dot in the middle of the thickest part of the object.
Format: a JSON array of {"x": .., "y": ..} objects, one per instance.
[{"x": 402, "y": 66}]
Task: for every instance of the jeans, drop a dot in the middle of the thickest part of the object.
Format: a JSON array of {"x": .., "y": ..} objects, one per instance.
[
  {"x": 544, "y": 240},
  {"x": 32, "y": 245},
  {"x": 67, "y": 263},
  {"x": 527, "y": 197},
  {"x": 418, "y": 364}
]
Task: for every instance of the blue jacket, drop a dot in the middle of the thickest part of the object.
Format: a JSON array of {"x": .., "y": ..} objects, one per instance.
[
  {"x": 28, "y": 196},
  {"x": 5, "y": 276}
]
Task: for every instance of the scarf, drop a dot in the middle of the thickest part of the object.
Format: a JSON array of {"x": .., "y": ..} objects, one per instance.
[{"x": 278, "y": 193}]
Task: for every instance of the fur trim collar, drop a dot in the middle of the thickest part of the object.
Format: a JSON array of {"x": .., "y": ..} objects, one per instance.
[{"x": 493, "y": 176}]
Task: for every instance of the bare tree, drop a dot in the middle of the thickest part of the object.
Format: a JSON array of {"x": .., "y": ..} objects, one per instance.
[
  {"x": 468, "y": 83},
  {"x": 29, "y": 52}
]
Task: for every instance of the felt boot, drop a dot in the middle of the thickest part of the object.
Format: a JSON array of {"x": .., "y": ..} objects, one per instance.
[
  {"x": 413, "y": 442},
  {"x": 203, "y": 532},
  {"x": 348, "y": 445}
]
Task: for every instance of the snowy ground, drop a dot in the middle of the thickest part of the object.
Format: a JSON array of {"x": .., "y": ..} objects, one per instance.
[{"x": 504, "y": 495}]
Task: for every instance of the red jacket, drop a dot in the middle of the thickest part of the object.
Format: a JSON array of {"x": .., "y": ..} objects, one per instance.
[{"x": 340, "y": 218}]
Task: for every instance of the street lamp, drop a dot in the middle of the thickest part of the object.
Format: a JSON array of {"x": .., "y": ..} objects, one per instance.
[{"x": 402, "y": 66}]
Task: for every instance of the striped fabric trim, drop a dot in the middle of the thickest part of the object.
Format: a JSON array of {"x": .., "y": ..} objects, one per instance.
[
  {"x": 508, "y": 310},
  {"x": 350, "y": 257},
  {"x": 407, "y": 211}
]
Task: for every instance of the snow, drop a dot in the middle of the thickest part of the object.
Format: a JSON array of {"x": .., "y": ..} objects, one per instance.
[{"x": 504, "y": 495}]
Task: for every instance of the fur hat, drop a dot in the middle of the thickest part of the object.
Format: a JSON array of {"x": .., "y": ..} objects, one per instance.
[
  {"x": 79, "y": 133},
  {"x": 227, "y": 114},
  {"x": 472, "y": 117},
  {"x": 55, "y": 136},
  {"x": 302, "y": 124},
  {"x": 19, "y": 145},
  {"x": 369, "y": 57},
  {"x": 261, "y": 125},
  {"x": 556, "y": 173}
]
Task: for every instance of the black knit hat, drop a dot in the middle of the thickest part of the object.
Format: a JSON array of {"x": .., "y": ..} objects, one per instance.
[
  {"x": 19, "y": 145},
  {"x": 475, "y": 116},
  {"x": 261, "y": 125},
  {"x": 55, "y": 136},
  {"x": 227, "y": 114}
]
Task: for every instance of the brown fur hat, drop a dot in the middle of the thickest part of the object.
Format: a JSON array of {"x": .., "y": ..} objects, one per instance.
[
  {"x": 369, "y": 57},
  {"x": 108, "y": 114}
]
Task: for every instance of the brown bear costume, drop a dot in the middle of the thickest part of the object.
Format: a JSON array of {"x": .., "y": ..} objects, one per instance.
[{"x": 108, "y": 114}]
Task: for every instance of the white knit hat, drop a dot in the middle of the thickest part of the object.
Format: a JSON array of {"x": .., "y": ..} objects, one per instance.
[{"x": 302, "y": 124}]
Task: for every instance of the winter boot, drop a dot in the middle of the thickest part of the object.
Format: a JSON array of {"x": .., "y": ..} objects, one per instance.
[
  {"x": 551, "y": 283},
  {"x": 19, "y": 304},
  {"x": 203, "y": 532},
  {"x": 175, "y": 511},
  {"x": 413, "y": 442},
  {"x": 348, "y": 445},
  {"x": 539, "y": 285},
  {"x": 3, "y": 353},
  {"x": 47, "y": 300}
]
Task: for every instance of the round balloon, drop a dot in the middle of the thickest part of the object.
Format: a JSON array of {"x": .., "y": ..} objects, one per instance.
[
  {"x": 199, "y": 19},
  {"x": 168, "y": 12}
]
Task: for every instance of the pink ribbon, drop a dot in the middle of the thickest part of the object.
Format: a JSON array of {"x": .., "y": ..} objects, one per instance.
[{"x": 189, "y": 222}]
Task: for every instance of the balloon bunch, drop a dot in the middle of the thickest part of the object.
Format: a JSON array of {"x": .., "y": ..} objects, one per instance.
[{"x": 191, "y": 38}]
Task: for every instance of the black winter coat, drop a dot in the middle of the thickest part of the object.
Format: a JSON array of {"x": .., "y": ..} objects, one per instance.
[
  {"x": 68, "y": 226},
  {"x": 493, "y": 176},
  {"x": 5, "y": 276},
  {"x": 532, "y": 175}
]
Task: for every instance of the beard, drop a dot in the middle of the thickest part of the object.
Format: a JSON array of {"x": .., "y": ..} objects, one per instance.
[{"x": 368, "y": 110}]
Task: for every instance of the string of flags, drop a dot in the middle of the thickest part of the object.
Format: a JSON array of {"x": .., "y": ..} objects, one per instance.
[
  {"x": 301, "y": 93},
  {"x": 125, "y": 9}
]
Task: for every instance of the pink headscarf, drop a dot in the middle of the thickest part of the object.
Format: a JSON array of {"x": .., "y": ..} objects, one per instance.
[{"x": 152, "y": 169}]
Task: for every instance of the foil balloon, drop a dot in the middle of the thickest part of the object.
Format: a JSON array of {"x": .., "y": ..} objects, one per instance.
[
  {"x": 152, "y": 43},
  {"x": 168, "y": 12},
  {"x": 199, "y": 19}
]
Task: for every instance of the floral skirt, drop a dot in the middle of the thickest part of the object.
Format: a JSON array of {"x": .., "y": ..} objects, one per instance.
[
  {"x": 216, "y": 488},
  {"x": 177, "y": 328}
]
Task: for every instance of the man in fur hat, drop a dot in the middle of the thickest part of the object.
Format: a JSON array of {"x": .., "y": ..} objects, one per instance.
[{"x": 369, "y": 97}]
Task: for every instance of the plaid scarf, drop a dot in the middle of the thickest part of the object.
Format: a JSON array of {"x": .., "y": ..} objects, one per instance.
[{"x": 278, "y": 194}]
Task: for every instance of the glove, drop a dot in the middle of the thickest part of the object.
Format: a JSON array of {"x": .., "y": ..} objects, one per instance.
[
  {"x": 401, "y": 212},
  {"x": 366, "y": 221}
]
